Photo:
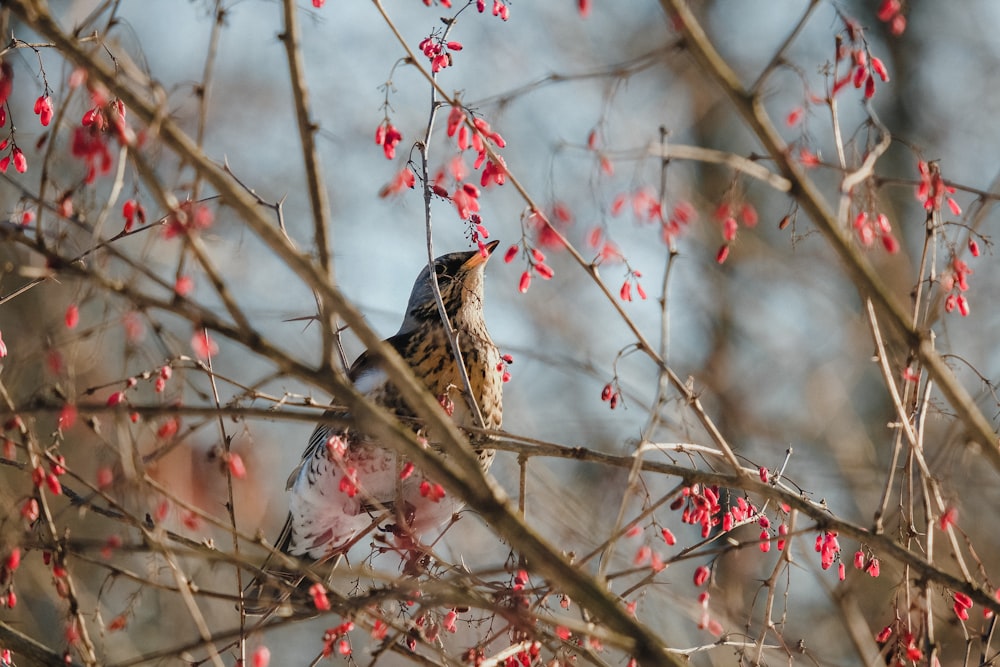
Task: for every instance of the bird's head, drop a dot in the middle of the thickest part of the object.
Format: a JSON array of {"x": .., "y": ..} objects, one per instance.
[{"x": 460, "y": 278}]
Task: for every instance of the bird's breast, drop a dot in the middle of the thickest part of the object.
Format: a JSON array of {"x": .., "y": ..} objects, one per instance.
[{"x": 434, "y": 363}]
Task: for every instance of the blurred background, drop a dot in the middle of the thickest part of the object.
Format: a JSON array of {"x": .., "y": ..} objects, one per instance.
[{"x": 775, "y": 338}]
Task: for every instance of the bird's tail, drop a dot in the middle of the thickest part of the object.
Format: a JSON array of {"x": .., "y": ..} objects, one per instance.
[{"x": 277, "y": 590}]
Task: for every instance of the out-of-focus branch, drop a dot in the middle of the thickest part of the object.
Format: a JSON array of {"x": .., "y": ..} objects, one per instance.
[
  {"x": 736, "y": 162},
  {"x": 204, "y": 89},
  {"x": 319, "y": 200},
  {"x": 307, "y": 131},
  {"x": 624, "y": 69},
  {"x": 779, "y": 55},
  {"x": 38, "y": 653},
  {"x": 811, "y": 200}
]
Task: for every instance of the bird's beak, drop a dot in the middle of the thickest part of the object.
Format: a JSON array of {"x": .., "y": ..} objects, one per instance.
[{"x": 479, "y": 258}]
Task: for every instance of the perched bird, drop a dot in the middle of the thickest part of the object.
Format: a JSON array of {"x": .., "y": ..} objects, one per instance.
[{"x": 347, "y": 482}]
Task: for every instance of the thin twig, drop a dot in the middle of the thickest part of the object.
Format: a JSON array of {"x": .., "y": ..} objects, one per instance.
[{"x": 230, "y": 502}]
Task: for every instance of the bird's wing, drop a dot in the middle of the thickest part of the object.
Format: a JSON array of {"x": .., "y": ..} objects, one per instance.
[
  {"x": 366, "y": 375},
  {"x": 367, "y": 362},
  {"x": 284, "y": 538},
  {"x": 318, "y": 439}
]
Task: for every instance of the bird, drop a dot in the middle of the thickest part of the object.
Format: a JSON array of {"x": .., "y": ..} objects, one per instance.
[{"x": 348, "y": 483}]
